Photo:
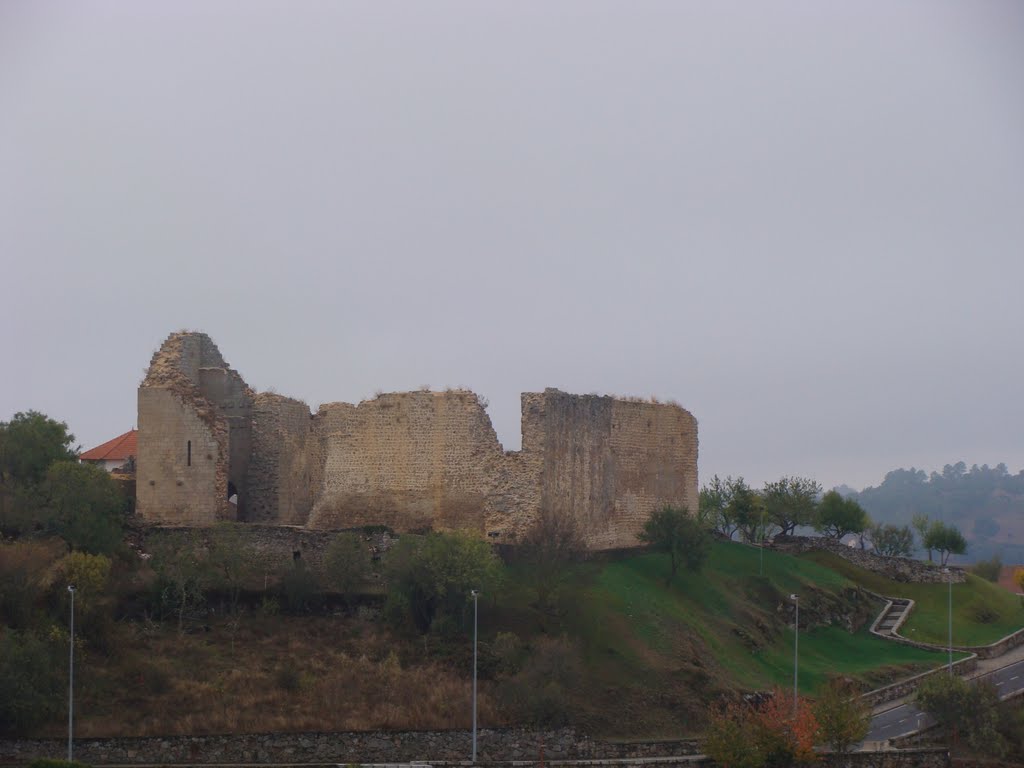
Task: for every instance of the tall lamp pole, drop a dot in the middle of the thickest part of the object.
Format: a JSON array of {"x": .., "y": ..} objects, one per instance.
[
  {"x": 796, "y": 648},
  {"x": 761, "y": 573},
  {"x": 71, "y": 670},
  {"x": 476, "y": 595},
  {"x": 949, "y": 578}
]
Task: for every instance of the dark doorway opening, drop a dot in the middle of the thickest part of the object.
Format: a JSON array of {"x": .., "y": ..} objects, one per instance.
[{"x": 232, "y": 493}]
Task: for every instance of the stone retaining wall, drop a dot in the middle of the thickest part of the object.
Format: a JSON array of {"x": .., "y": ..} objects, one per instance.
[
  {"x": 368, "y": 747},
  {"x": 903, "y": 569},
  {"x": 903, "y": 687}
]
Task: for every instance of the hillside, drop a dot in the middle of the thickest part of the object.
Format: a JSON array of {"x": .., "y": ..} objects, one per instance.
[
  {"x": 985, "y": 503},
  {"x": 624, "y": 655}
]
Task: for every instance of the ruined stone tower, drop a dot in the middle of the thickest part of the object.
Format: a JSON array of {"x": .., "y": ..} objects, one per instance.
[{"x": 210, "y": 449}]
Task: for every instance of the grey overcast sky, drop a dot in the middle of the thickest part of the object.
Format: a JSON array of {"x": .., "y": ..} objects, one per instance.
[{"x": 804, "y": 221}]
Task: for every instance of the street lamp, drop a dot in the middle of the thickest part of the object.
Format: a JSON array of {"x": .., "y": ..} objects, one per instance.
[
  {"x": 796, "y": 647},
  {"x": 761, "y": 573},
  {"x": 949, "y": 575},
  {"x": 476, "y": 594},
  {"x": 71, "y": 670}
]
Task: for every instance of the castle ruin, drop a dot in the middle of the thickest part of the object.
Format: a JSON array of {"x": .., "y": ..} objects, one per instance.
[{"x": 210, "y": 448}]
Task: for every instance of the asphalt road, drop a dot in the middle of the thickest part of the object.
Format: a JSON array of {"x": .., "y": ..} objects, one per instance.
[{"x": 907, "y": 718}]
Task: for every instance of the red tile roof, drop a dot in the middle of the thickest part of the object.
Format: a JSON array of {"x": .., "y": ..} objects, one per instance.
[{"x": 118, "y": 449}]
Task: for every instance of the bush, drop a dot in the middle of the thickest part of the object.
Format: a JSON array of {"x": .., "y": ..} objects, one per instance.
[
  {"x": 288, "y": 678},
  {"x": 24, "y": 570},
  {"x": 972, "y": 710},
  {"x": 299, "y": 587},
  {"x": 46, "y": 762},
  {"x": 346, "y": 563},
  {"x": 988, "y": 569},
  {"x": 430, "y": 579},
  {"x": 31, "y": 682},
  {"x": 538, "y": 693}
]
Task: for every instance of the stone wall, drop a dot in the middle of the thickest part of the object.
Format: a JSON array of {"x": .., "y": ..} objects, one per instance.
[
  {"x": 413, "y": 461},
  {"x": 192, "y": 410},
  {"x": 909, "y": 685},
  {"x": 424, "y": 747},
  {"x": 902, "y": 569},
  {"x": 285, "y": 464},
  {"x": 181, "y": 463},
  {"x": 359, "y": 747}
]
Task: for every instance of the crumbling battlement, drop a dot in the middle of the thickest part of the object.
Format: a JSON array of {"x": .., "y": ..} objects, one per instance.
[{"x": 210, "y": 448}]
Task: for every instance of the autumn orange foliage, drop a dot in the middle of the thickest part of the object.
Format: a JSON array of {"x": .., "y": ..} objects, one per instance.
[{"x": 742, "y": 735}]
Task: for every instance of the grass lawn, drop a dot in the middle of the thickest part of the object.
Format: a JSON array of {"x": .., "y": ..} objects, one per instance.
[
  {"x": 730, "y": 613},
  {"x": 982, "y": 611}
]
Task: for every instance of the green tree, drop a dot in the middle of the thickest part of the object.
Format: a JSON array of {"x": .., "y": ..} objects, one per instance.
[
  {"x": 744, "y": 509},
  {"x": 672, "y": 530},
  {"x": 921, "y": 523},
  {"x": 84, "y": 506},
  {"x": 713, "y": 502},
  {"x": 29, "y": 443},
  {"x": 790, "y": 502},
  {"x": 843, "y": 716},
  {"x": 946, "y": 540},
  {"x": 838, "y": 516},
  {"x": 892, "y": 540},
  {"x": 183, "y": 573},
  {"x": 93, "y": 605},
  {"x": 968, "y": 709},
  {"x": 430, "y": 578},
  {"x": 347, "y": 562}
]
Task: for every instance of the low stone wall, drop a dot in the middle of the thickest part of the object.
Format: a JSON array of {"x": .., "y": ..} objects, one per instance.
[
  {"x": 273, "y": 546},
  {"x": 904, "y": 687},
  {"x": 350, "y": 747},
  {"x": 903, "y": 569},
  {"x": 908, "y": 758},
  {"x": 999, "y": 647}
]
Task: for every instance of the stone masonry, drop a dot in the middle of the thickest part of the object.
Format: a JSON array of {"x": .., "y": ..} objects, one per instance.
[{"x": 210, "y": 449}]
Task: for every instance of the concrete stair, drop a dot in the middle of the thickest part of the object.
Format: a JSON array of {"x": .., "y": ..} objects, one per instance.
[{"x": 894, "y": 616}]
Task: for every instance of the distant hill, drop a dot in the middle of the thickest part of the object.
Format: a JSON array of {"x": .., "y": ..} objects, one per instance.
[{"x": 985, "y": 503}]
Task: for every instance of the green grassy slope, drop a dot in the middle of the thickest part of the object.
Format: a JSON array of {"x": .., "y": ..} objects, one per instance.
[
  {"x": 724, "y": 628},
  {"x": 982, "y": 611}
]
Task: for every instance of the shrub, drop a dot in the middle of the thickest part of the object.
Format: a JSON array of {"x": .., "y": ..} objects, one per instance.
[
  {"x": 538, "y": 693},
  {"x": 30, "y": 682},
  {"x": 299, "y": 587},
  {"x": 742, "y": 735},
  {"x": 673, "y": 531},
  {"x": 988, "y": 569},
  {"x": 346, "y": 563},
  {"x": 971, "y": 710},
  {"x": 288, "y": 678},
  {"x": 430, "y": 579}
]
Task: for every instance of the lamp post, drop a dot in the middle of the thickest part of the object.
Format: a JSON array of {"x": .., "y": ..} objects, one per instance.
[
  {"x": 796, "y": 648},
  {"x": 949, "y": 578},
  {"x": 761, "y": 572},
  {"x": 476, "y": 595},
  {"x": 71, "y": 670}
]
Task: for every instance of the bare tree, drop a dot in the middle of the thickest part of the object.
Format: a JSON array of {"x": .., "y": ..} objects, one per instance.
[{"x": 549, "y": 548}]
